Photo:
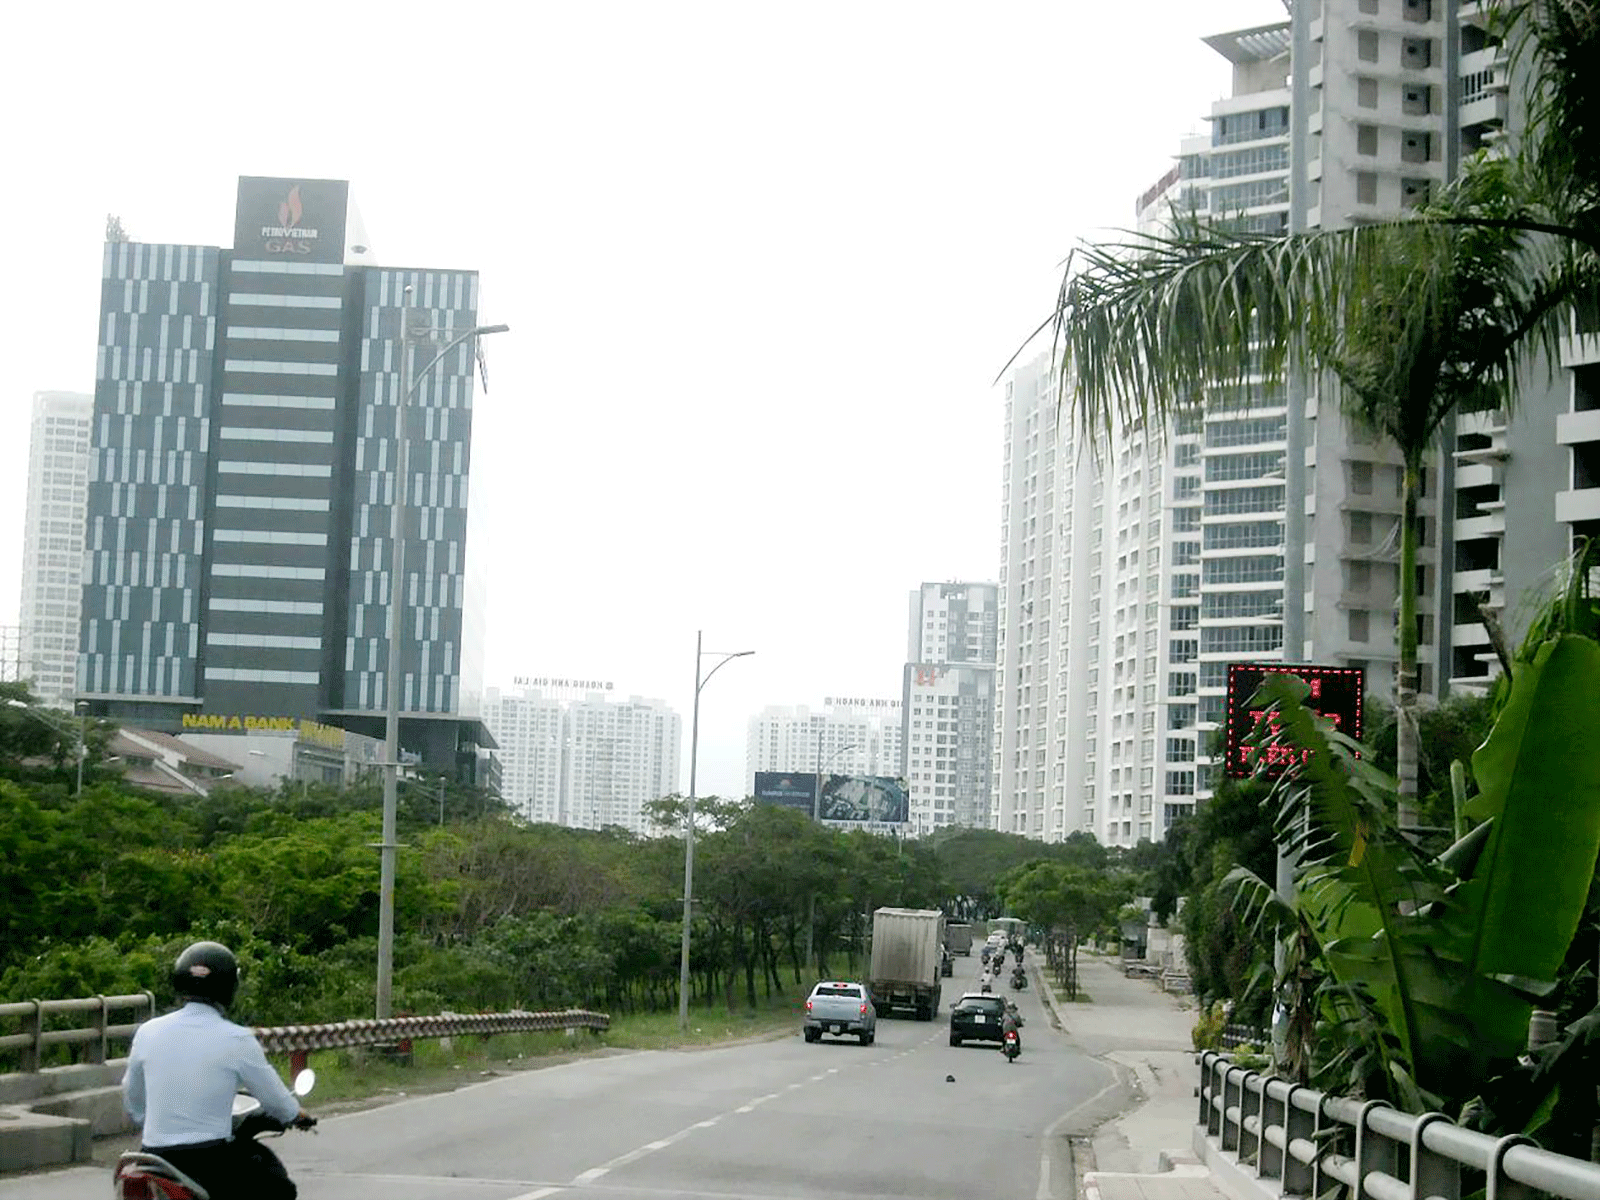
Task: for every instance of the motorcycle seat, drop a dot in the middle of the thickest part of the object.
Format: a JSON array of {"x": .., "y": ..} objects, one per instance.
[{"x": 136, "y": 1164}]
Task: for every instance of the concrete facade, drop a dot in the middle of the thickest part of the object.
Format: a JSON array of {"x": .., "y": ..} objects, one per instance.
[{"x": 52, "y": 545}]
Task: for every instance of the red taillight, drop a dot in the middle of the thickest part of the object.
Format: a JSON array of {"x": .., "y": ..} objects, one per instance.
[
  {"x": 863, "y": 1008},
  {"x": 808, "y": 1006}
]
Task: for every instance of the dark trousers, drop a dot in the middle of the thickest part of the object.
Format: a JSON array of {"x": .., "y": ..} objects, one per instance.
[{"x": 242, "y": 1169}]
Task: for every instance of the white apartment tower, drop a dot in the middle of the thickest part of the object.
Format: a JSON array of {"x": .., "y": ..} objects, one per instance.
[
  {"x": 588, "y": 762},
  {"x": 52, "y": 544},
  {"x": 947, "y": 705},
  {"x": 849, "y": 736}
]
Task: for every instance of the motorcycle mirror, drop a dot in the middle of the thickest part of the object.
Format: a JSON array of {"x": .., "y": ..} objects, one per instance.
[{"x": 304, "y": 1082}]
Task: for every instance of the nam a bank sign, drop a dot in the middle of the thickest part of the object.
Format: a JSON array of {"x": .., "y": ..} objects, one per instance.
[{"x": 305, "y": 730}]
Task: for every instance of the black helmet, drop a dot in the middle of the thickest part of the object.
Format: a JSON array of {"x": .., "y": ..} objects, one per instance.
[{"x": 206, "y": 971}]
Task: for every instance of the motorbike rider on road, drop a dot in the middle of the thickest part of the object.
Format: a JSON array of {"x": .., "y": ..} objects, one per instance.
[
  {"x": 183, "y": 1071},
  {"x": 1012, "y": 1023}
]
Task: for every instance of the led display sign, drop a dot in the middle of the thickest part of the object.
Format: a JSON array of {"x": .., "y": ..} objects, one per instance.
[{"x": 1335, "y": 694}]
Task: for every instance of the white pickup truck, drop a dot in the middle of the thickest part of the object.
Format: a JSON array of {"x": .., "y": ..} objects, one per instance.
[{"x": 841, "y": 1008}]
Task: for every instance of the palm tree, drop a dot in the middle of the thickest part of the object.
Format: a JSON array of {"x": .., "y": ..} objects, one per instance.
[{"x": 1415, "y": 319}]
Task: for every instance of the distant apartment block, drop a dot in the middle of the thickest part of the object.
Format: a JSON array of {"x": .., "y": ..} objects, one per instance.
[
  {"x": 947, "y": 704},
  {"x": 848, "y": 736},
  {"x": 52, "y": 545},
  {"x": 588, "y": 760}
]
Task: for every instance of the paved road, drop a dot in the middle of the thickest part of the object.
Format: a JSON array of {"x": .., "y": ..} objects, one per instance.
[{"x": 768, "y": 1119}]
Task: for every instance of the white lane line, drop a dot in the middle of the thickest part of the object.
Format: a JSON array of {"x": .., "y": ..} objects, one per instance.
[
  {"x": 706, "y": 1124},
  {"x": 661, "y": 1145},
  {"x": 538, "y": 1195},
  {"x": 588, "y": 1176},
  {"x": 1043, "y": 1192},
  {"x": 745, "y": 1108}
]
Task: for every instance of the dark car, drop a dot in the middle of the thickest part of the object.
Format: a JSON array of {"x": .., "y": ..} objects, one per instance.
[{"x": 976, "y": 1017}]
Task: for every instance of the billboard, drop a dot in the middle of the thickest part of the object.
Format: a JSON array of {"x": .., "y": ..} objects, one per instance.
[
  {"x": 1335, "y": 694},
  {"x": 290, "y": 220},
  {"x": 864, "y": 799},
  {"x": 787, "y": 789}
]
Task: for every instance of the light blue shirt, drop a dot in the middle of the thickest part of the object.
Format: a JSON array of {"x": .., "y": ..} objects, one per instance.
[{"x": 184, "y": 1070}]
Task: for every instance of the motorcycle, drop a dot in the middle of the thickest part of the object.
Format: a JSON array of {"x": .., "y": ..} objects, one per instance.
[
  {"x": 1019, "y": 979},
  {"x": 140, "y": 1175},
  {"x": 1012, "y": 1047}
]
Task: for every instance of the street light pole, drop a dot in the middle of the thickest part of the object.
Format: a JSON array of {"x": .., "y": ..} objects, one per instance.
[
  {"x": 397, "y": 561},
  {"x": 816, "y": 815},
  {"x": 688, "y": 822},
  {"x": 82, "y": 707}
]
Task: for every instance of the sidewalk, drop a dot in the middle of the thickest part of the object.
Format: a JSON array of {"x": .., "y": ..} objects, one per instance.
[{"x": 1144, "y": 1152}]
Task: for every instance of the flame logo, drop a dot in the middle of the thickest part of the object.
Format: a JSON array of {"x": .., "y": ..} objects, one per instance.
[{"x": 290, "y": 211}]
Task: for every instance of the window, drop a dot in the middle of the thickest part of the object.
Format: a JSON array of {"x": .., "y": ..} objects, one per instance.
[
  {"x": 1241, "y": 535},
  {"x": 1367, "y": 45},
  {"x": 1254, "y": 568},
  {"x": 1253, "y": 194},
  {"x": 1416, "y": 100},
  {"x": 1227, "y": 467},
  {"x": 1366, "y": 187},
  {"x": 1180, "y": 749},
  {"x": 1257, "y": 160},
  {"x": 1246, "y": 431},
  {"x": 1250, "y": 126},
  {"x": 1367, "y": 93},
  {"x": 1361, "y": 478},
  {"x": 1240, "y": 639},
  {"x": 1225, "y": 606},
  {"x": 1416, "y": 147},
  {"x": 1366, "y": 139},
  {"x": 1416, "y": 54},
  {"x": 1357, "y": 620},
  {"x": 1244, "y": 500}
]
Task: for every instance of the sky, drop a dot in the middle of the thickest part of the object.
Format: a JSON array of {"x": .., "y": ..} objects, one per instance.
[{"x": 762, "y": 262}]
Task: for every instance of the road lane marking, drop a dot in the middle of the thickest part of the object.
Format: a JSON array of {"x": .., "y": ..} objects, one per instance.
[
  {"x": 589, "y": 1176},
  {"x": 540, "y": 1194},
  {"x": 1043, "y": 1192},
  {"x": 661, "y": 1145}
]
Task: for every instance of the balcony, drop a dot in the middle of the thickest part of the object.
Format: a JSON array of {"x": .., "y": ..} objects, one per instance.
[
  {"x": 1580, "y": 349},
  {"x": 1576, "y": 428},
  {"x": 1578, "y": 504}
]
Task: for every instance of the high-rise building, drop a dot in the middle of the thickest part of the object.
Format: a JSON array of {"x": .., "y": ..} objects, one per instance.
[
  {"x": 587, "y": 761},
  {"x": 947, "y": 705},
  {"x": 238, "y": 549},
  {"x": 850, "y": 736},
  {"x": 52, "y": 545},
  {"x": 1388, "y": 100}
]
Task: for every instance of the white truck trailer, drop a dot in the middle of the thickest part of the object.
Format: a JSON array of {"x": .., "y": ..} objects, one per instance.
[{"x": 907, "y": 947}]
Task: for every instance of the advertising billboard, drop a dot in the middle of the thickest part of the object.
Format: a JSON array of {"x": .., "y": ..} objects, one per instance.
[
  {"x": 1335, "y": 694},
  {"x": 787, "y": 789},
  {"x": 290, "y": 220},
  {"x": 864, "y": 799}
]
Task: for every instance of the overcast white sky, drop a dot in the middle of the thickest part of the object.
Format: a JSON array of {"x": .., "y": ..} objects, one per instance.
[{"x": 761, "y": 262}]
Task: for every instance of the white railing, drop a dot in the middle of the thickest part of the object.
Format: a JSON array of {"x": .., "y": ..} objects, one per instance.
[{"x": 1313, "y": 1144}]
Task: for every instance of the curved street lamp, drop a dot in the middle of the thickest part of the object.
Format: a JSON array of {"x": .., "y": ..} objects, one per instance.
[
  {"x": 688, "y": 822},
  {"x": 391, "y": 729}
]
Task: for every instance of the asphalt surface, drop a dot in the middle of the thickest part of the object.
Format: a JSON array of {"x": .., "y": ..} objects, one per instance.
[{"x": 776, "y": 1118}]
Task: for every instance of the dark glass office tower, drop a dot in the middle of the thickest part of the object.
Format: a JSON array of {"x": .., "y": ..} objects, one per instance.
[{"x": 237, "y": 547}]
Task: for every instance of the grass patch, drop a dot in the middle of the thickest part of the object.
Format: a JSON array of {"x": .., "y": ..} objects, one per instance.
[{"x": 437, "y": 1065}]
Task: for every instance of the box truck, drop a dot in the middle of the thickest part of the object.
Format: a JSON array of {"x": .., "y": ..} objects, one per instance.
[{"x": 907, "y": 946}]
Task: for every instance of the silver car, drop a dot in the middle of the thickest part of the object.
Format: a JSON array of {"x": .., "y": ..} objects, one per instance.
[{"x": 840, "y": 1007}]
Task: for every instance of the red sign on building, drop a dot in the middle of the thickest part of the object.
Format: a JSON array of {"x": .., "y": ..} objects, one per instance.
[{"x": 1335, "y": 694}]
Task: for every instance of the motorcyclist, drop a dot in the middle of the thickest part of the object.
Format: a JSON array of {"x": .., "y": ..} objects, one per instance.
[
  {"x": 184, "y": 1070},
  {"x": 1012, "y": 1023}
]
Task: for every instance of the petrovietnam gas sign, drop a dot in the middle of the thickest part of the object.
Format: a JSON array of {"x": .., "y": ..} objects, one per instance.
[{"x": 292, "y": 220}]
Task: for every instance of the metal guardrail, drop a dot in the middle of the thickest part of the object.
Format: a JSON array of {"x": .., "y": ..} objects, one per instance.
[
  {"x": 33, "y": 1039},
  {"x": 1310, "y": 1143},
  {"x": 288, "y": 1039},
  {"x": 295, "y": 1038}
]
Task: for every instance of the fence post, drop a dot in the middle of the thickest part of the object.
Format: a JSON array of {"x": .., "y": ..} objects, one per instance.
[
  {"x": 33, "y": 1024},
  {"x": 1501, "y": 1188},
  {"x": 1230, "y": 1090},
  {"x": 1299, "y": 1178},
  {"x": 1250, "y": 1106},
  {"x": 1432, "y": 1175},
  {"x": 1374, "y": 1152},
  {"x": 1269, "y": 1158},
  {"x": 97, "y": 1048}
]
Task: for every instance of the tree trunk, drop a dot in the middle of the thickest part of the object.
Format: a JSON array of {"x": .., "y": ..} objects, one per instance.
[{"x": 1405, "y": 684}]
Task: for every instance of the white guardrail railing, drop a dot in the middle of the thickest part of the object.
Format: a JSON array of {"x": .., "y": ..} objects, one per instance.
[
  {"x": 28, "y": 1045},
  {"x": 1310, "y": 1143}
]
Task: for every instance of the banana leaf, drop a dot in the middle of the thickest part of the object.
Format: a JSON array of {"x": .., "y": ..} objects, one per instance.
[{"x": 1451, "y": 962}]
